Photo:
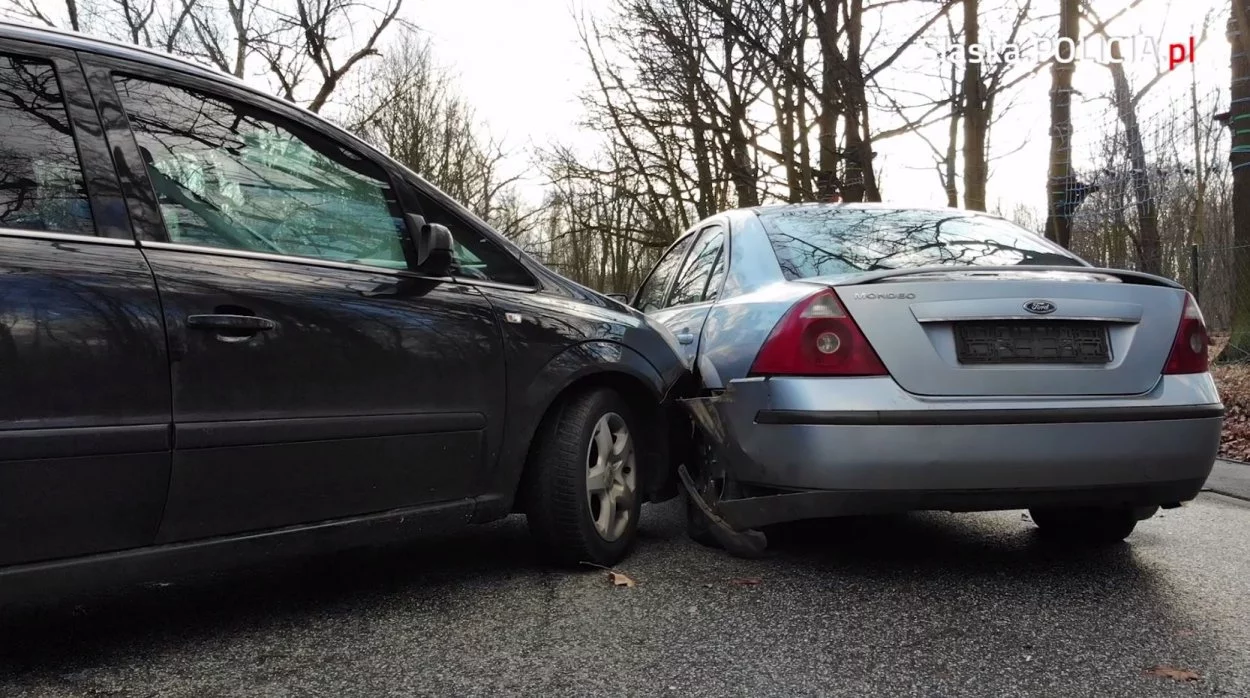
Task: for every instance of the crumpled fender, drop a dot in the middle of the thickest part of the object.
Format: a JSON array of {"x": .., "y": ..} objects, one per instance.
[{"x": 582, "y": 360}]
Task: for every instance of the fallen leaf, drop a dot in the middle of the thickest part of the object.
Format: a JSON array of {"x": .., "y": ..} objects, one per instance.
[
  {"x": 620, "y": 579},
  {"x": 745, "y": 581},
  {"x": 1167, "y": 672}
]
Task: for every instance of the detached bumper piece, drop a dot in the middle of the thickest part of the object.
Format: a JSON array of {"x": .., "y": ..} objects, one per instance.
[
  {"x": 751, "y": 512},
  {"x": 736, "y": 538},
  {"x": 740, "y": 543}
]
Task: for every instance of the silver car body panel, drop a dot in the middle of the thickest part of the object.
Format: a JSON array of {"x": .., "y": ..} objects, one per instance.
[
  {"x": 915, "y": 340},
  {"x": 868, "y": 433},
  {"x": 933, "y": 424}
]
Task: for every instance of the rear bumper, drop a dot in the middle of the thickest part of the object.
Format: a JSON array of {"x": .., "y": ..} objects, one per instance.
[{"x": 841, "y": 448}]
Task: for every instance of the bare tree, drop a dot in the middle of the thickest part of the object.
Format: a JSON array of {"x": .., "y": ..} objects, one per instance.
[
  {"x": 408, "y": 106},
  {"x": 1238, "y": 348},
  {"x": 981, "y": 95},
  {"x": 303, "y": 48},
  {"x": 710, "y": 104},
  {"x": 591, "y": 234},
  {"x": 975, "y": 115},
  {"x": 977, "y": 85},
  {"x": 315, "y": 27},
  {"x": 1126, "y": 100},
  {"x": 1059, "y": 219},
  {"x": 43, "y": 14}
]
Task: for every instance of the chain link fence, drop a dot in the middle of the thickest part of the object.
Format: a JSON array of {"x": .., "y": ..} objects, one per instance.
[{"x": 1210, "y": 276}]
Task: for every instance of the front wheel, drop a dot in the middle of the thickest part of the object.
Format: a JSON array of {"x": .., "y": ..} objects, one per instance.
[
  {"x": 1086, "y": 525},
  {"x": 582, "y": 495}
]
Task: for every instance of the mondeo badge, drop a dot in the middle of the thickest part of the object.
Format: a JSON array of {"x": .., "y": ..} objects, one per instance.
[
  {"x": 884, "y": 296},
  {"x": 1040, "y": 307}
]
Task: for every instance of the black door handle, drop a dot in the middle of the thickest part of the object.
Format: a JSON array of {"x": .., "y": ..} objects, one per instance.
[{"x": 249, "y": 324}]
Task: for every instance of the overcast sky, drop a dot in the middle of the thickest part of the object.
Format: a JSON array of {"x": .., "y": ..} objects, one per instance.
[{"x": 520, "y": 64}]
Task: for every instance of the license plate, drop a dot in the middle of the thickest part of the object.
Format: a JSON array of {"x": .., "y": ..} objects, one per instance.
[{"x": 1035, "y": 342}]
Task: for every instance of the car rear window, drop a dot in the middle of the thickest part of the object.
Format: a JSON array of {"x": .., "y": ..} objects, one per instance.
[{"x": 826, "y": 240}]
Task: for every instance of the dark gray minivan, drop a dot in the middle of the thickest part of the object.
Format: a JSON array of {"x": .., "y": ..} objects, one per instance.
[{"x": 229, "y": 329}]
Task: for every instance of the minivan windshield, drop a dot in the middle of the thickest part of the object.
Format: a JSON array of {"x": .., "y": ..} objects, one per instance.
[{"x": 826, "y": 240}]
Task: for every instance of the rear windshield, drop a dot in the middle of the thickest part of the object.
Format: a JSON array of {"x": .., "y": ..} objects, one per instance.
[{"x": 826, "y": 240}]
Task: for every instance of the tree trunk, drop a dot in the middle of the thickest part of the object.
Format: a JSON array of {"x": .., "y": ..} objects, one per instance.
[
  {"x": 1197, "y": 222},
  {"x": 1147, "y": 211},
  {"x": 975, "y": 116},
  {"x": 71, "y": 6},
  {"x": 952, "y": 142},
  {"x": 738, "y": 149},
  {"x": 1238, "y": 348},
  {"x": 804, "y": 124},
  {"x": 1058, "y": 221},
  {"x": 827, "y": 185},
  {"x": 786, "y": 107},
  {"x": 859, "y": 180}
]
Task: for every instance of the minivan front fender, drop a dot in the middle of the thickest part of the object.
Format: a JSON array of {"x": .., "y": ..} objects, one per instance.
[{"x": 585, "y": 366}]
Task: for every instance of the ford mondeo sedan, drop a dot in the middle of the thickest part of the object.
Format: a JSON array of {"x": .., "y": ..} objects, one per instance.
[
  {"x": 230, "y": 330},
  {"x": 869, "y": 358}
]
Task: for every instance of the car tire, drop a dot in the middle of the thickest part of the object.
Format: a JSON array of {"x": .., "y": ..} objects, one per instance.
[
  {"x": 1087, "y": 525},
  {"x": 581, "y": 507}
]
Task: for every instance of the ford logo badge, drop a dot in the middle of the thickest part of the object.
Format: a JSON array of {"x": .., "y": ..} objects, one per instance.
[{"x": 1040, "y": 307}]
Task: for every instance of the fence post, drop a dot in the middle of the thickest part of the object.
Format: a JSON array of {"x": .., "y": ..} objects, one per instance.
[{"x": 1195, "y": 283}]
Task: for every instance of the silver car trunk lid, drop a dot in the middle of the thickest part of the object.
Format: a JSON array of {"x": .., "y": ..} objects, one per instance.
[{"x": 917, "y": 322}]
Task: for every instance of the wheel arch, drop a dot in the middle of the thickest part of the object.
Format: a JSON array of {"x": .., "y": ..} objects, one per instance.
[{"x": 579, "y": 369}]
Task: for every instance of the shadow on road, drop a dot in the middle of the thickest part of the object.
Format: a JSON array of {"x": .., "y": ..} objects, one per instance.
[
  {"x": 969, "y": 549},
  {"x": 864, "y": 559},
  {"x": 946, "y": 542},
  {"x": 87, "y": 628}
]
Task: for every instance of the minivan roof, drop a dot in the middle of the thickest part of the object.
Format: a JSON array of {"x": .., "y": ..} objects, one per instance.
[{"x": 76, "y": 41}]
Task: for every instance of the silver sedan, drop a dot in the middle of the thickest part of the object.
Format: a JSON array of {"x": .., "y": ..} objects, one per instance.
[{"x": 866, "y": 358}]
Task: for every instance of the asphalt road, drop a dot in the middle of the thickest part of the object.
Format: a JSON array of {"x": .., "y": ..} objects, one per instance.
[
  {"x": 921, "y": 605},
  {"x": 1231, "y": 478}
]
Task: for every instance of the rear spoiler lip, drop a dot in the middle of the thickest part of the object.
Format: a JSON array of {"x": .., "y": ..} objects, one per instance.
[{"x": 888, "y": 274}]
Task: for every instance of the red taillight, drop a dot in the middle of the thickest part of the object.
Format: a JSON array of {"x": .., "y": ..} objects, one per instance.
[
  {"x": 817, "y": 338},
  {"x": 1189, "y": 349}
]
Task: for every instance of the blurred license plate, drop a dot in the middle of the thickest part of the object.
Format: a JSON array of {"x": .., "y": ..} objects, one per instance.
[{"x": 1035, "y": 342}]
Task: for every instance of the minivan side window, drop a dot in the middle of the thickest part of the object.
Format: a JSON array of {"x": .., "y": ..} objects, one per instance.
[
  {"x": 700, "y": 265},
  {"x": 651, "y": 295},
  {"x": 231, "y": 175},
  {"x": 41, "y": 181}
]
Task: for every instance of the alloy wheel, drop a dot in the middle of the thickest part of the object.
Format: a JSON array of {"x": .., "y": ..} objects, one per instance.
[{"x": 611, "y": 476}]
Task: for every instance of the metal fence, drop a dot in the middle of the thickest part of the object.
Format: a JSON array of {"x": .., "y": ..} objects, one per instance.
[{"x": 1210, "y": 277}]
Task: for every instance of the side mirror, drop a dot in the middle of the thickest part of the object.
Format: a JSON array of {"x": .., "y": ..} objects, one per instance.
[
  {"x": 620, "y": 297},
  {"x": 431, "y": 251}
]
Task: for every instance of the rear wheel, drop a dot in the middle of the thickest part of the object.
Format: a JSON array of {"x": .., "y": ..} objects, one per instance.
[
  {"x": 582, "y": 495},
  {"x": 1086, "y": 525}
]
